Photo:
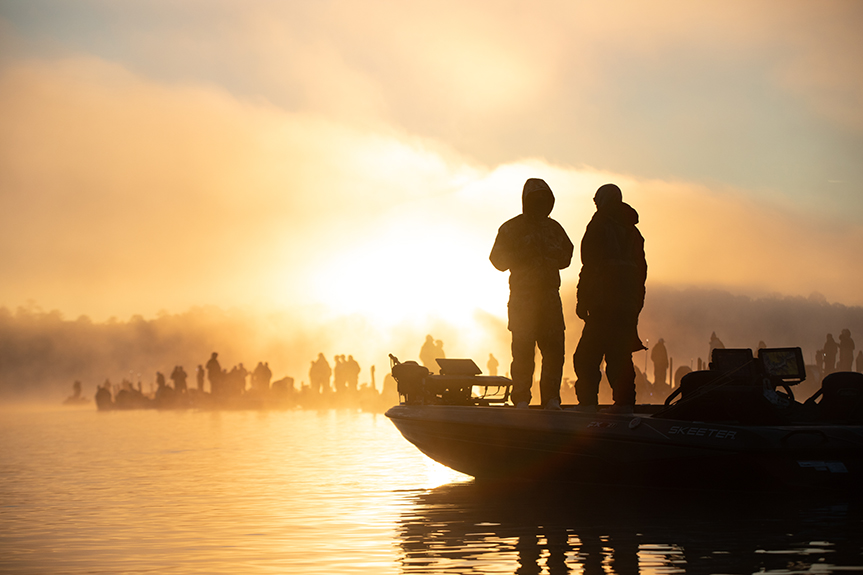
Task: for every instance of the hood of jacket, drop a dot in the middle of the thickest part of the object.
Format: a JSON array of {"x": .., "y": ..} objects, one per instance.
[
  {"x": 620, "y": 212},
  {"x": 536, "y": 199}
]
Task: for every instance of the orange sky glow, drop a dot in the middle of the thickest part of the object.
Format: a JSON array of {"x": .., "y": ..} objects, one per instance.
[{"x": 357, "y": 158}]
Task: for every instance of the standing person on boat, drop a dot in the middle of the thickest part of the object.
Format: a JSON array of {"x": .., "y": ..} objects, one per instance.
[
  {"x": 659, "y": 357},
  {"x": 178, "y": 376},
  {"x": 352, "y": 373},
  {"x": 610, "y": 296},
  {"x": 846, "y": 351},
  {"x": 199, "y": 377},
  {"x": 319, "y": 375},
  {"x": 492, "y": 364},
  {"x": 534, "y": 248},
  {"x": 214, "y": 373}
]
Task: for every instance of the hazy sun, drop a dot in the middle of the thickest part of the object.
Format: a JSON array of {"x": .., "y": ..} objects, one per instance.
[{"x": 397, "y": 277}]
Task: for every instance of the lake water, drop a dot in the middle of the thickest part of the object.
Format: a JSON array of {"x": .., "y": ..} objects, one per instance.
[{"x": 306, "y": 492}]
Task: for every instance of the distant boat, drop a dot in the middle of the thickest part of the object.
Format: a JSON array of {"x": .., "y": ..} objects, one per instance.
[{"x": 736, "y": 426}]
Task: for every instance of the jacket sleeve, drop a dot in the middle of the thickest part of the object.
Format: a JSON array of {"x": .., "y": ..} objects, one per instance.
[
  {"x": 501, "y": 251},
  {"x": 588, "y": 278},
  {"x": 564, "y": 255}
]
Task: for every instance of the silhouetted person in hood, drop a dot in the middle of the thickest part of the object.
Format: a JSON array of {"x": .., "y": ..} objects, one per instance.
[
  {"x": 609, "y": 298},
  {"x": 534, "y": 248}
]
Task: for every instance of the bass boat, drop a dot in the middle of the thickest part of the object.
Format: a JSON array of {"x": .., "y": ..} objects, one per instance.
[{"x": 735, "y": 426}]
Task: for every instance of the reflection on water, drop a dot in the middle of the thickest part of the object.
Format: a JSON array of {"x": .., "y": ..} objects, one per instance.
[
  {"x": 479, "y": 528},
  {"x": 341, "y": 492},
  {"x": 204, "y": 492}
]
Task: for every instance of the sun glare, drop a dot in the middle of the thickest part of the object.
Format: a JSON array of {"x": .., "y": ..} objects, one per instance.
[{"x": 394, "y": 278}]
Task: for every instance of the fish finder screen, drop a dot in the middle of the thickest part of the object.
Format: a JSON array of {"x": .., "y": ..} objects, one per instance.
[{"x": 785, "y": 363}]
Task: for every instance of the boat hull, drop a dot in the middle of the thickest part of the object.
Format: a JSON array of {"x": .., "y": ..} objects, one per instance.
[{"x": 503, "y": 443}]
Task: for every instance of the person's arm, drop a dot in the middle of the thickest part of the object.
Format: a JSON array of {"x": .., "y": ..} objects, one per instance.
[
  {"x": 513, "y": 247},
  {"x": 500, "y": 256},
  {"x": 588, "y": 277},
  {"x": 563, "y": 257}
]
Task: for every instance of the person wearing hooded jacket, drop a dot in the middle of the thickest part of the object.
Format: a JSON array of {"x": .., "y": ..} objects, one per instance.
[
  {"x": 610, "y": 296},
  {"x": 534, "y": 248}
]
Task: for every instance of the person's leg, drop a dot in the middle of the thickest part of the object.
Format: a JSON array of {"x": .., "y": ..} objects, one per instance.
[
  {"x": 551, "y": 346},
  {"x": 658, "y": 374},
  {"x": 522, "y": 367},
  {"x": 586, "y": 360},
  {"x": 621, "y": 372}
]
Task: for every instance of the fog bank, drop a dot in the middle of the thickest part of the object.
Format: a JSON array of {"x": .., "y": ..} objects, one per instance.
[{"x": 42, "y": 353}]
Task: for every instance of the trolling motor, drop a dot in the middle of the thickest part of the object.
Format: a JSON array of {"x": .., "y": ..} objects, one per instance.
[
  {"x": 410, "y": 377},
  {"x": 460, "y": 383}
]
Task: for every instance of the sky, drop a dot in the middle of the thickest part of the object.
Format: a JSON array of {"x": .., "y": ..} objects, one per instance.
[{"x": 347, "y": 158}]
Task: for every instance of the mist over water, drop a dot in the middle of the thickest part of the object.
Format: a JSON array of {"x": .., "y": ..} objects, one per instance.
[{"x": 42, "y": 352}]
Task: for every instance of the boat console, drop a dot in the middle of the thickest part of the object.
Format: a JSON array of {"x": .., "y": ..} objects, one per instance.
[
  {"x": 757, "y": 390},
  {"x": 459, "y": 383}
]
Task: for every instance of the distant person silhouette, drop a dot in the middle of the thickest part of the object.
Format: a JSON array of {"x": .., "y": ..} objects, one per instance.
[
  {"x": 319, "y": 375},
  {"x": 256, "y": 376},
  {"x": 164, "y": 394},
  {"x": 534, "y": 248},
  {"x": 846, "y": 351},
  {"x": 103, "y": 396},
  {"x": 830, "y": 350},
  {"x": 715, "y": 343},
  {"x": 492, "y": 364},
  {"x": 261, "y": 377},
  {"x": 178, "y": 376},
  {"x": 199, "y": 377},
  {"x": 352, "y": 373},
  {"x": 267, "y": 375},
  {"x": 610, "y": 296},
  {"x": 240, "y": 374},
  {"x": 75, "y": 398},
  {"x": 438, "y": 351},
  {"x": 659, "y": 357},
  {"x": 428, "y": 354},
  {"x": 339, "y": 380},
  {"x": 214, "y": 373}
]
